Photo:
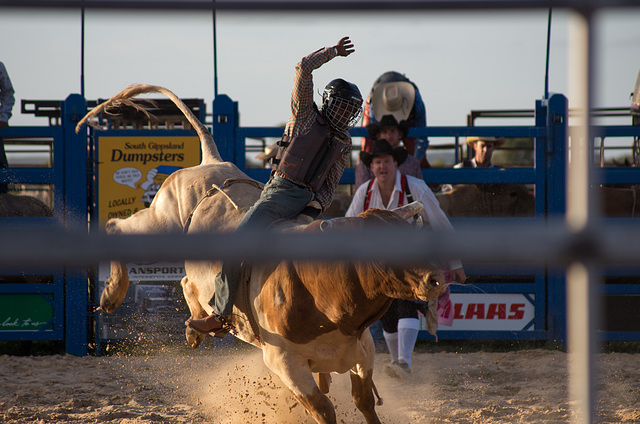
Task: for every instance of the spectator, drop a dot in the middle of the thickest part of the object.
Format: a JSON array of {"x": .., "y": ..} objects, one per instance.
[
  {"x": 483, "y": 151},
  {"x": 394, "y": 94},
  {"x": 394, "y": 132},
  {"x": 6, "y": 105},
  {"x": 387, "y": 190}
]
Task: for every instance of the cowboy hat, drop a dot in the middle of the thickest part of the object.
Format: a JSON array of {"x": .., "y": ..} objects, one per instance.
[
  {"x": 497, "y": 141},
  {"x": 383, "y": 147},
  {"x": 393, "y": 98},
  {"x": 388, "y": 121}
]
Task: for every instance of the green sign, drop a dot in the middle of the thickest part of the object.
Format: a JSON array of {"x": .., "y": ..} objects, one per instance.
[{"x": 26, "y": 312}]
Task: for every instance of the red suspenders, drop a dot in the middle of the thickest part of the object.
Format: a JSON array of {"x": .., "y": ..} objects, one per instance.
[
  {"x": 367, "y": 199},
  {"x": 404, "y": 187}
]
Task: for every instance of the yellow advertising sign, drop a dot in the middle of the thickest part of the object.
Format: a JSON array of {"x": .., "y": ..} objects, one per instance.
[{"x": 132, "y": 169}]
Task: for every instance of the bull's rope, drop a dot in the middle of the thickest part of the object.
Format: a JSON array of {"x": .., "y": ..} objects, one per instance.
[{"x": 214, "y": 188}]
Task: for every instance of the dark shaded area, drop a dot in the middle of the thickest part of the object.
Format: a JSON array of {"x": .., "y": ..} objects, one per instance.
[{"x": 32, "y": 348}]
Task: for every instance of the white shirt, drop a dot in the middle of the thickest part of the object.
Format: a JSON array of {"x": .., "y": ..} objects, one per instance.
[{"x": 432, "y": 215}]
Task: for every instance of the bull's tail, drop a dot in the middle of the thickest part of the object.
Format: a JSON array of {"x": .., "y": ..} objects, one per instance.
[
  {"x": 375, "y": 392},
  {"x": 210, "y": 152}
]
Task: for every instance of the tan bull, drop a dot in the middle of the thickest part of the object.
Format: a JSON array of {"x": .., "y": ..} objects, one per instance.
[
  {"x": 209, "y": 186},
  {"x": 306, "y": 317}
]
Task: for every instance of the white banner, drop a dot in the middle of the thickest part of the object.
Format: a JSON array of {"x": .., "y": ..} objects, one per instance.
[
  {"x": 491, "y": 312},
  {"x": 154, "y": 271}
]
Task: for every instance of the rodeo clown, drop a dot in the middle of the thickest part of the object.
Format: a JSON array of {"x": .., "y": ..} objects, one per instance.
[
  {"x": 389, "y": 189},
  {"x": 312, "y": 155}
]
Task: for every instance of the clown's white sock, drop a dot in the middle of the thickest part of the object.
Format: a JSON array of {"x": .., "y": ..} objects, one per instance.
[
  {"x": 392, "y": 344},
  {"x": 407, "y": 335}
]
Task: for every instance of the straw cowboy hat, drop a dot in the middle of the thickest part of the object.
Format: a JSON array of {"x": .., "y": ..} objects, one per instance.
[
  {"x": 497, "y": 142},
  {"x": 393, "y": 98},
  {"x": 383, "y": 147}
]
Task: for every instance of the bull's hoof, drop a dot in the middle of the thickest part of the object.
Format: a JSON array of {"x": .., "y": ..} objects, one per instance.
[
  {"x": 194, "y": 338},
  {"x": 110, "y": 299},
  {"x": 398, "y": 369}
]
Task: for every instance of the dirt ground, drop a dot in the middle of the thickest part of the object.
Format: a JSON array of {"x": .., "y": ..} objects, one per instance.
[{"x": 233, "y": 386}]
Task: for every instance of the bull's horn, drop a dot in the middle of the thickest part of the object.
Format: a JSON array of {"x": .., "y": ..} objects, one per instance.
[
  {"x": 407, "y": 211},
  {"x": 419, "y": 222}
]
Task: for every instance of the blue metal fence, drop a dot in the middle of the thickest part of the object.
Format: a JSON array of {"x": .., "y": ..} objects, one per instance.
[
  {"x": 64, "y": 289},
  {"x": 545, "y": 289}
]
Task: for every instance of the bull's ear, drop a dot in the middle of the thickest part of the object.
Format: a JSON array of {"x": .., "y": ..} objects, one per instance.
[{"x": 407, "y": 211}]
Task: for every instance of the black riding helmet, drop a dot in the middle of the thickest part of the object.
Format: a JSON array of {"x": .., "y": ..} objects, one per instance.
[{"x": 341, "y": 104}]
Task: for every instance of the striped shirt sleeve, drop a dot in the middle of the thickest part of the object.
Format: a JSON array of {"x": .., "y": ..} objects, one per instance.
[
  {"x": 302, "y": 110},
  {"x": 303, "y": 113}
]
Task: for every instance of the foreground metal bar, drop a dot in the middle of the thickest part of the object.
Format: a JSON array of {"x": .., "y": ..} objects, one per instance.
[
  {"x": 529, "y": 245},
  {"x": 582, "y": 309},
  {"x": 319, "y": 5}
]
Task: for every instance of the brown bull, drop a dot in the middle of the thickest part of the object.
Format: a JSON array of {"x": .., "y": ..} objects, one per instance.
[
  {"x": 487, "y": 200},
  {"x": 313, "y": 317},
  {"x": 22, "y": 206},
  {"x": 306, "y": 317},
  {"x": 505, "y": 200},
  {"x": 620, "y": 202}
]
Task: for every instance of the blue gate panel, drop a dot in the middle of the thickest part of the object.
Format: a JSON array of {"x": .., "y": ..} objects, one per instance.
[
  {"x": 32, "y": 311},
  {"x": 57, "y": 310},
  {"x": 499, "y": 303}
]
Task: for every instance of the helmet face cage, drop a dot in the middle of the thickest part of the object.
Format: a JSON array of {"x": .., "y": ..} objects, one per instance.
[
  {"x": 341, "y": 104},
  {"x": 342, "y": 114}
]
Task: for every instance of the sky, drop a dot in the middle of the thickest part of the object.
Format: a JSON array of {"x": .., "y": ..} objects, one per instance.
[{"x": 461, "y": 61}]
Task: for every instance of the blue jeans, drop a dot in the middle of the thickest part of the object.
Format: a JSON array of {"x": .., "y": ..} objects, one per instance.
[{"x": 280, "y": 199}]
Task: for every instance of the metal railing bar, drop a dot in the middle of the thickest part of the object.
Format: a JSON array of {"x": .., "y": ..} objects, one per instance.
[
  {"x": 320, "y": 5},
  {"x": 537, "y": 243}
]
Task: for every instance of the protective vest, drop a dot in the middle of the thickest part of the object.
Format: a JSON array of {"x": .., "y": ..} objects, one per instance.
[{"x": 307, "y": 159}]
